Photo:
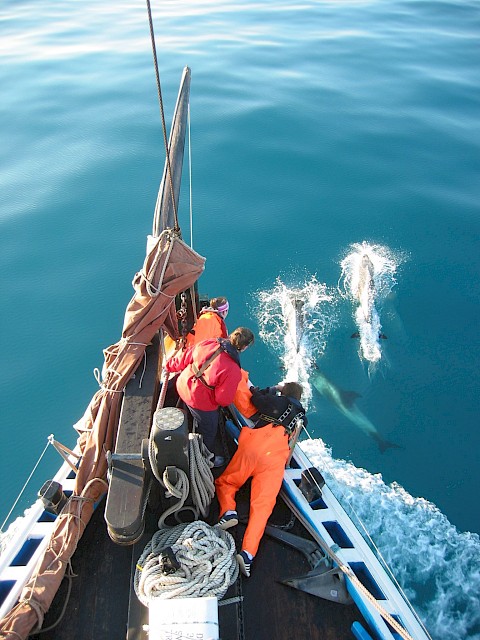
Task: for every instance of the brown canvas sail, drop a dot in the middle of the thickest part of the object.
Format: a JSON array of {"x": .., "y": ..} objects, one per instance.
[{"x": 169, "y": 268}]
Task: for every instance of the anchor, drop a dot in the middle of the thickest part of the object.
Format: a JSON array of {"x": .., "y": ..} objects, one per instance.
[{"x": 324, "y": 580}]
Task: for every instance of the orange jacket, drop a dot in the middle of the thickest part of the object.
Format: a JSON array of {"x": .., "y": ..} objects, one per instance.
[
  {"x": 209, "y": 325},
  {"x": 243, "y": 396},
  {"x": 223, "y": 374}
]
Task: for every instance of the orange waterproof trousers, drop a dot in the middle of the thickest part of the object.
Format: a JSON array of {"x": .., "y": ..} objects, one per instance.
[{"x": 261, "y": 455}]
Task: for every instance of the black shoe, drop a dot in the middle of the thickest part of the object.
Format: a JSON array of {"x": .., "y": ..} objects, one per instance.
[
  {"x": 228, "y": 520},
  {"x": 244, "y": 563}
]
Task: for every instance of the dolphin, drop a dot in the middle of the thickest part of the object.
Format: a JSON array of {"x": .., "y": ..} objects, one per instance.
[
  {"x": 366, "y": 288},
  {"x": 366, "y": 293},
  {"x": 293, "y": 314},
  {"x": 344, "y": 401}
]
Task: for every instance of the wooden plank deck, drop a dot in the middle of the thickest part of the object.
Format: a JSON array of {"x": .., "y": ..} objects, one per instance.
[{"x": 99, "y": 602}]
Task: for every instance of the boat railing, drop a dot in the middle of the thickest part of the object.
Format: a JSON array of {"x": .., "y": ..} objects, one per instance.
[{"x": 344, "y": 500}]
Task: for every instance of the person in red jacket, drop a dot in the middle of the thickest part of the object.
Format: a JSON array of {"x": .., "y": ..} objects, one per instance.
[
  {"x": 263, "y": 451},
  {"x": 210, "y": 322},
  {"x": 210, "y": 373}
]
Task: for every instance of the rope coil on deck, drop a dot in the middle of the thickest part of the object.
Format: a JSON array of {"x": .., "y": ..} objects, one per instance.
[
  {"x": 201, "y": 478},
  {"x": 206, "y": 558},
  {"x": 179, "y": 491}
]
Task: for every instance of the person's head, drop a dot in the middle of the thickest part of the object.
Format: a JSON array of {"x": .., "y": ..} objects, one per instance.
[
  {"x": 221, "y": 305},
  {"x": 292, "y": 389},
  {"x": 241, "y": 338}
]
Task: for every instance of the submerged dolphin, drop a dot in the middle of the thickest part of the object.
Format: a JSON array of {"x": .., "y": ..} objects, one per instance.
[
  {"x": 366, "y": 293},
  {"x": 344, "y": 401}
]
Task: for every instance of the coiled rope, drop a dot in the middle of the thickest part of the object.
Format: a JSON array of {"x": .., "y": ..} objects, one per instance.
[
  {"x": 201, "y": 478},
  {"x": 179, "y": 490},
  {"x": 206, "y": 556},
  {"x": 201, "y": 481}
]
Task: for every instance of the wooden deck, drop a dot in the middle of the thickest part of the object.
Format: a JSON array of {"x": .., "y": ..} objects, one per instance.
[{"x": 98, "y": 605}]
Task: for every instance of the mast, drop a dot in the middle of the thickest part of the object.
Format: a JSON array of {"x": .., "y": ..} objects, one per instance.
[{"x": 165, "y": 209}]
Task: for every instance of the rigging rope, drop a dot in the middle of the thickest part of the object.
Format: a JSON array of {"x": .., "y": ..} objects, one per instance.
[
  {"x": 162, "y": 115},
  {"x": 353, "y": 578},
  {"x": 190, "y": 177},
  {"x": 73, "y": 512},
  {"x": 25, "y": 485},
  {"x": 206, "y": 558}
]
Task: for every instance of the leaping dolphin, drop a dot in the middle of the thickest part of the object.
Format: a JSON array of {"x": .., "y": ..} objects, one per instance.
[{"x": 344, "y": 401}]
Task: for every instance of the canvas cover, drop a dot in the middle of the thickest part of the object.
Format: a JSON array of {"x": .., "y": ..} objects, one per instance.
[{"x": 170, "y": 267}]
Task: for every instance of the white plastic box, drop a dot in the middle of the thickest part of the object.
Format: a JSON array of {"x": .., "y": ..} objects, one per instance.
[{"x": 183, "y": 619}]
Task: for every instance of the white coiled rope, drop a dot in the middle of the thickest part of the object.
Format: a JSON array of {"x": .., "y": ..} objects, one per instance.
[
  {"x": 201, "y": 479},
  {"x": 206, "y": 556}
]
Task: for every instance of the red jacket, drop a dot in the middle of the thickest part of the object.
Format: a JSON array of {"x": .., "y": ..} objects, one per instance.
[
  {"x": 208, "y": 325},
  {"x": 223, "y": 374}
]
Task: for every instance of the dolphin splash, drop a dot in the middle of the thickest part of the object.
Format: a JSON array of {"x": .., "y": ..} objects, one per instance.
[
  {"x": 344, "y": 401},
  {"x": 367, "y": 278},
  {"x": 295, "y": 323}
]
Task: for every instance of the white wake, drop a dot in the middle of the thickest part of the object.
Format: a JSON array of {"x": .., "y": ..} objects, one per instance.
[{"x": 437, "y": 566}]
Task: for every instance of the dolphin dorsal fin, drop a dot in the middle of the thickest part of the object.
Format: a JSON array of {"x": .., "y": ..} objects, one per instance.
[{"x": 349, "y": 397}]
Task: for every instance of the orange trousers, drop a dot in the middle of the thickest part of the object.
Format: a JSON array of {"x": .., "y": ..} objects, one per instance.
[{"x": 261, "y": 455}]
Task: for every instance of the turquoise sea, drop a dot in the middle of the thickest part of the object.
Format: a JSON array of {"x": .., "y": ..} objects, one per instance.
[{"x": 316, "y": 128}]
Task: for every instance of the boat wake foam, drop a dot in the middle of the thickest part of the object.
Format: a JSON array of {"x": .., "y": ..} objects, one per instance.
[{"x": 437, "y": 566}]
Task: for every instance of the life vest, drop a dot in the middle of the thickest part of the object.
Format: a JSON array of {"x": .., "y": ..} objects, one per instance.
[
  {"x": 222, "y": 375},
  {"x": 288, "y": 419},
  {"x": 198, "y": 372}
]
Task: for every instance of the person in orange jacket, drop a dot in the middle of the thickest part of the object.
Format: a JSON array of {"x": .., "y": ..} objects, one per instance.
[
  {"x": 263, "y": 451},
  {"x": 210, "y": 373},
  {"x": 210, "y": 322}
]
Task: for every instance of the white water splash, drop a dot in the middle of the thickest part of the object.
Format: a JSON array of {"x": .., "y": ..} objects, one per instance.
[
  {"x": 296, "y": 351},
  {"x": 369, "y": 299},
  {"x": 437, "y": 566}
]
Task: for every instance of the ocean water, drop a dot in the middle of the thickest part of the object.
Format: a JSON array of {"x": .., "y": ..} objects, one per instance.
[{"x": 317, "y": 128}]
